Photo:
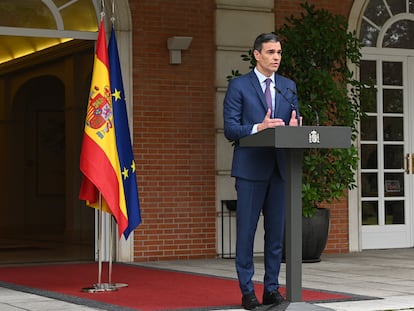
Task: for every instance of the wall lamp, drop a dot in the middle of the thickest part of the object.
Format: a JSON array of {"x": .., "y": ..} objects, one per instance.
[{"x": 175, "y": 45}]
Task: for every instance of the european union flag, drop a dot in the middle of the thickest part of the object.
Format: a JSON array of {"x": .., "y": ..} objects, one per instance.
[{"x": 123, "y": 138}]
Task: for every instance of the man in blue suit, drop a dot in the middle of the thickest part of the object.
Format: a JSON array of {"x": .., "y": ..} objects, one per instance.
[{"x": 260, "y": 171}]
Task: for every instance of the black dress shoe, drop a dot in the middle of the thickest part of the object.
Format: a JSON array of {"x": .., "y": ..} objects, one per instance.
[
  {"x": 249, "y": 301},
  {"x": 273, "y": 298}
]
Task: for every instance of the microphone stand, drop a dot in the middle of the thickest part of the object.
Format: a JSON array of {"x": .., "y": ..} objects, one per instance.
[
  {"x": 292, "y": 106},
  {"x": 309, "y": 106}
]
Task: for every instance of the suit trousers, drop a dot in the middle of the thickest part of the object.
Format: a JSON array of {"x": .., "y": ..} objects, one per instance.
[{"x": 253, "y": 198}]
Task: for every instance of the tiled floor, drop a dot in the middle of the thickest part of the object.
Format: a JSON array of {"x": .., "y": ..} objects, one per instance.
[{"x": 385, "y": 274}]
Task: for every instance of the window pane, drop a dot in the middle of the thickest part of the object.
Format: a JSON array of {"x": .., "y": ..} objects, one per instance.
[
  {"x": 377, "y": 12},
  {"x": 370, "y": 213},
  {"x": 397, "y": 6},
  {"x": 394, "y": 184},
  {"x": 393, "y": 101},
  {"x": 394, "y": 212},
  {"x": 368, "y": 99},
  {"x": 368, "y": 71},
  {"x": 369, "y": 34},
  {"x": 392, "y": 73},
  {"x": 400, "y": 35},
  {"x": 393, "y": 156},
  {"x": 393, "y": 129},
  {"x": 369, "y": 157},
  {"x": 369, "y": 128},
  {"x": 369, "y": 184},
  {"x": 80, "y": 15},
  {"x": 31, "y": 14}
]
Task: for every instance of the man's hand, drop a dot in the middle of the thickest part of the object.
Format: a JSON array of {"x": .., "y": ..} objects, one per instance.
[
  {"x": 268, "y": 122},
  {"x": 294, "y": 120}
]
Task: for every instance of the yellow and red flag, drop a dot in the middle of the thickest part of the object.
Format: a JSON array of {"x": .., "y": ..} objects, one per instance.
[{"x": 99, "y": 161}]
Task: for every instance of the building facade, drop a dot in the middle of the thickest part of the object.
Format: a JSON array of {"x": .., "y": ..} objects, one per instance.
[{"x": 175, "y": 110}]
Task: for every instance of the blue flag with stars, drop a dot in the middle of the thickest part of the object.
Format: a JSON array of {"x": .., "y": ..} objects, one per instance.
[{"x": 123, "y": 138}]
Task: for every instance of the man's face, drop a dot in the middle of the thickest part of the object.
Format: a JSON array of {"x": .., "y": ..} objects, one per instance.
[{"x": 268, "y": 60}]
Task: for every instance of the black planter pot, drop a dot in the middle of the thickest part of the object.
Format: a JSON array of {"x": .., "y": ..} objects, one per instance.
[{"x": 315, "y": 232}]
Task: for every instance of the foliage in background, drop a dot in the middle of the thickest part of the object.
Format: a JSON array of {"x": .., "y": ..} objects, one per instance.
[{"x": 318, "y": 54}]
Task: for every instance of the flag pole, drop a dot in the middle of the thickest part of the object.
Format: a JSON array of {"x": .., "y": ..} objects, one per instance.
[
  {"x": 101, "y": 287},
  {"x": 125, "y": 208},
  {"x": 110, "y": 252},
  {"x": 101, "y": 92},
  {"x": 100, "y": 241},
  {"x": 107, "y": 287},
  {"x": 114, "y": 285},
  {"x": 111, "y": 225}
]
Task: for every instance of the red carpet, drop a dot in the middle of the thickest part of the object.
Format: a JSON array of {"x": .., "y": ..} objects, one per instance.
[{"x": 148, "y": 289}]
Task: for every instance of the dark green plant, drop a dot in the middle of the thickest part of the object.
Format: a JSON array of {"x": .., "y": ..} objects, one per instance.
[{"x": 318, "y": 54}]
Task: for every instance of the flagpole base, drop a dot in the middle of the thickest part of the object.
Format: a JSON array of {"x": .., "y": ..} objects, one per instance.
[
  {"x": 119, "y": 285},
  {"x": 99, "y": 288}
]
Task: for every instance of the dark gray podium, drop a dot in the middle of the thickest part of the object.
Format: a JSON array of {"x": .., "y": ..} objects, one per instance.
[{"x": 295, "y": 140}]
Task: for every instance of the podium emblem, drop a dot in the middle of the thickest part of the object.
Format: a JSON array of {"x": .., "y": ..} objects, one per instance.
[{"x": 314, "y": 137}]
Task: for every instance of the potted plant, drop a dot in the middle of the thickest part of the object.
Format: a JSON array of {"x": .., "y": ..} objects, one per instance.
[{"x": 318, "y": 54}]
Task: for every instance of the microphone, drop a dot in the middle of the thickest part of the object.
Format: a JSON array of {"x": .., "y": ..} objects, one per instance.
[
  {"x": 309, "y": 106},
  {"x": 292, "y": 106}
]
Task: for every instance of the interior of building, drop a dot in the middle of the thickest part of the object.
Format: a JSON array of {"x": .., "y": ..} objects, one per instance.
[{"x": 44, "y": 87}]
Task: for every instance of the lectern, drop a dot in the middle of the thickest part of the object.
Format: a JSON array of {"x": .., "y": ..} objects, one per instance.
[{"x": 295, "y": 140}]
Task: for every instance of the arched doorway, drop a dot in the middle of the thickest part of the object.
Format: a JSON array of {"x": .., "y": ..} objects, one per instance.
[
  {"x": 386, "y": 179},
  {"x": 42, "y": 107}
]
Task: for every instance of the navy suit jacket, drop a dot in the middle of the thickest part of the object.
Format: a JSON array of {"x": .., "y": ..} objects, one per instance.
[{"x": 244, "y": 106}]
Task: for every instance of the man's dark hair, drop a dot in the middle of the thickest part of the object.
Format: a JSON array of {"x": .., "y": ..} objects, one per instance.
[{"x": 263, "y": 38}]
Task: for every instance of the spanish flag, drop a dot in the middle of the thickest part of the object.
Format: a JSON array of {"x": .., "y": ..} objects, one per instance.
[
  {"x": 123, "y": 138},
  {"x": 99, "y": 161}
]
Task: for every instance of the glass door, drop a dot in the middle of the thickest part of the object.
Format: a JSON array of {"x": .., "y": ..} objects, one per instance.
[{"x": 386, "y": 175}]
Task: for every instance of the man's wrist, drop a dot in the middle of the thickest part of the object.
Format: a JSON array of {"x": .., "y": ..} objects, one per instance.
[{"x": 255, "y": 128}]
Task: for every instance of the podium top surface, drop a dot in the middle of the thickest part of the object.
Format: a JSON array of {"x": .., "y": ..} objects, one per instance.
[{"x": 301, "y": 137}]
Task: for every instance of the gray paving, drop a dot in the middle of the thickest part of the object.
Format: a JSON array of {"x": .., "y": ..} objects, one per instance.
[
  {"x": 384, "y": 276},
  {"x": 302, "y": 306}
]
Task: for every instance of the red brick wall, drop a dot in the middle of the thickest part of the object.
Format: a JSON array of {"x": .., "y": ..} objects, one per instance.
[
  {"x": 174, "y": 133},
  {"x": 338, "y": 241},
  {"x": 284, "y": 8}
]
